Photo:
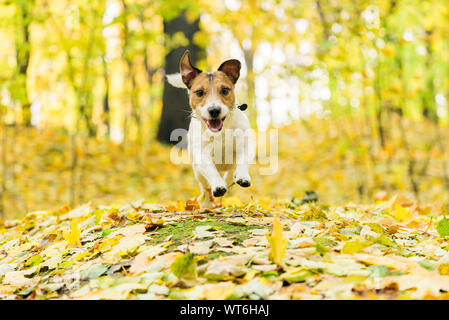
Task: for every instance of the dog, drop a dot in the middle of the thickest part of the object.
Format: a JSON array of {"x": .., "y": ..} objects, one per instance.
[{"x": 216, "y": 125}]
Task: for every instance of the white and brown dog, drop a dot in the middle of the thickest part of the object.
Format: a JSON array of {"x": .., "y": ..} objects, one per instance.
[{"x": 219, "y": 139}]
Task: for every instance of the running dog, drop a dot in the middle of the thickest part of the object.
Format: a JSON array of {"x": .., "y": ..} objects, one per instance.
[{"x": 219, "y": 139}]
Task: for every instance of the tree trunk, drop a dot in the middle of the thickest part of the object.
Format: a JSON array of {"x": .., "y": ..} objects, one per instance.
[
  {"x": 4, "y": 172},
  {"x": 73, "y": 165},
  {"x": 250, "y": 81},
  {"x": 86, "y": 106},
  {"x": 379, "y": 107},
  {"x": 175, "y": 103},
  {"x": 133, "y": 92},
  {"x": 106, "y": 107},
  {"x": 23, "y": 61},
  {"x": 428, "y": 108}
]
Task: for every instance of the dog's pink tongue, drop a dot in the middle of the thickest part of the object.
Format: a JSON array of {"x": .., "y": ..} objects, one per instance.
[{"x": 215, "y": 124}]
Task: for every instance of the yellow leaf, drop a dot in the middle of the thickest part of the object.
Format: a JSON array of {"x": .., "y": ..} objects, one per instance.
[
  {"x": 219, "y": 291},
  {"x": 355, "y": 246},
  {"x": 64, "y": 209},
  {"x": 419, "y": 222},
  {"x": 278, "y": 244},
  {"x": 80, "y": 256},
  {"x": 250, "y": 275},
  {"x": 232, "y": 202},
  {"x": 180, "y": 206},
  {"x": 444, "y": 268},
  {"x": 73, "y": 236},
  {"x": 107, "y": 243},
  {"x": 264, "y": 203},
  {"x": 400, "y": 213}
]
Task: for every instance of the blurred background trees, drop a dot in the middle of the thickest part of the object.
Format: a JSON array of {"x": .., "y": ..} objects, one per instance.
[
  {"x": 359, "y": 89},
  {"x": 176, "y": 109}
]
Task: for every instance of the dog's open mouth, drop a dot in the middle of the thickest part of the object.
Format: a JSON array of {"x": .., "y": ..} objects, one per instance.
[{"x": 214, "y": 125}]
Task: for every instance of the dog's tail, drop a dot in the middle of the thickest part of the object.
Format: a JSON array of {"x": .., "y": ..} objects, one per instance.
[{"x": 175, "y": 80}]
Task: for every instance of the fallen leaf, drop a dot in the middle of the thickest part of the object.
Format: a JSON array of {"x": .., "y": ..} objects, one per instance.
[
  {"x": 180, "y": 206},
  {"x": 142, "y": 260},
  {"x": 73, "y": 236},
  {"x": 127, "y": 246},
  {"x": 297, "y": 275},
  {"x": 184, "y": 266},
  {"x": 278, "y": 244},
  {"x": 192, "y": 205},
  {"x": 81, "y": 211},
  {"x": 219, "y": 291},
  {"x": 444, "y": 269},
  {"x": 443, "y": 227},
  {"x": 94, "y": 271},
  {"x": 217, "y": 269},
  {"x": 355, "y": 246},
  {"x": 400, "y": 213}
]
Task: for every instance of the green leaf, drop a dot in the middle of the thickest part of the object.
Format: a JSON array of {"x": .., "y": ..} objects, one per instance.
[
  {"x": 297, "y": 275},
  {"x": 167, "y": 244},
  {"x": 427, "y": 265},
  {"x": 270, "y": 274},
  {"x": 64, "y": 264},
  {"x": 379, "y": 271},
  {"x": 184, "y": 266},
  {"x": 94, "y": 272},
  {"x": 321, "y": 249},
  {"x": 377, "y": 228},
  {"x": 34, "y": 261},
  {"x": 106, "y": 232},
  {"x": 443, "y": 227},
  {"x": 383, "y": 240}
]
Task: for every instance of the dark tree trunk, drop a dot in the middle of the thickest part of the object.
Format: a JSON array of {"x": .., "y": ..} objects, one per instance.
[
  {"x": 175, "y": 103},
  {"x": 106, "y": 107},
  {"x": 428, "y": 109},
  {"x": 23, "y": 61}
]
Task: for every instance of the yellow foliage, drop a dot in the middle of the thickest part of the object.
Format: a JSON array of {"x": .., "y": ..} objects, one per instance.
[
  {"x": 232, "y": 202},
  {"x": 220, "y": 291},
  {"x": 80, "y": 256},
  {"x": 264, "y": 203},
  {"x": 400, "y": 213},
  {"x": 444, "y": 268},
  {"x": 73, "y": 236},
  {"x": 278, "y": 244},
  {"x": 180, "y": 206},
  {"x": 355, "y": 246}
]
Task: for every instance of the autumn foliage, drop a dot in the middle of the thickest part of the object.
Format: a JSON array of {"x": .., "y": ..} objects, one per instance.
[{"x": 356, "y": 92}]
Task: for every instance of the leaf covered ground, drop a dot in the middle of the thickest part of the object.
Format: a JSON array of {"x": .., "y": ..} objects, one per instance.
[{"x": 393, "y": 249}]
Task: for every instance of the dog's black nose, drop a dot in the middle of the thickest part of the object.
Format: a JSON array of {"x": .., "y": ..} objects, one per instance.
[{"x": 214, "y": 111}]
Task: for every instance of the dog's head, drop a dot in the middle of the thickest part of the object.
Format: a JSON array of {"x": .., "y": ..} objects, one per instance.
[{"x": 211, "y": 94}]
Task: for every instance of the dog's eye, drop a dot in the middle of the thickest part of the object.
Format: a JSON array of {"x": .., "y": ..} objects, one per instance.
[
  {"x": 224, "y": 91},
  {"x": 199, "y": 93}
]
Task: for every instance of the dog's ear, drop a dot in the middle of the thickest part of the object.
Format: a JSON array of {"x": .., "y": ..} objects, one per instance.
[
  {"x": 188, "y": 72},
  {"x": 232, "y": 69}
]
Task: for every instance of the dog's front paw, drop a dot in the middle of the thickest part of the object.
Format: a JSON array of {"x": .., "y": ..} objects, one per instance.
[
  {"x": 219, "y": 191},
  {"x": 244, "y": 182}
]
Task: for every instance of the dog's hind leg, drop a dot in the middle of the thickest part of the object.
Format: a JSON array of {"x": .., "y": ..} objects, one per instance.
[
  {"x": 229, "y": 179},
  {"x": 206, "y": 199}
]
